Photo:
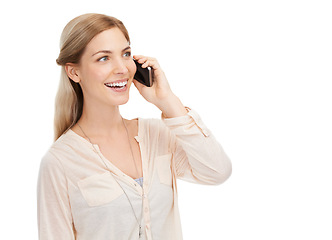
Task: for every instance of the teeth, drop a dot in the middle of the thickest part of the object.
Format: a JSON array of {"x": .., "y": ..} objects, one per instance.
[{"x": 117, "y": 84}]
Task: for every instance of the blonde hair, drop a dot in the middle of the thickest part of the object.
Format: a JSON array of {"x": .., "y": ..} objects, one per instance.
[{"x": 74, "y": 38}]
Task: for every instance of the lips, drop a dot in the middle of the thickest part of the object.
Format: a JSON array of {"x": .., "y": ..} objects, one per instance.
[{"x": 117, "y": 86}]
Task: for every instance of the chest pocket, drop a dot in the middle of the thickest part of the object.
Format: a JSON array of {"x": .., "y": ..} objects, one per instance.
[
  {"x": 99, "y": 189},
  {"x": 164, "y": 169}
]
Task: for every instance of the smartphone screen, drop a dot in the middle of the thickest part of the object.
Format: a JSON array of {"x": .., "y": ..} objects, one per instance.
[{"x": 143, "y": 75}]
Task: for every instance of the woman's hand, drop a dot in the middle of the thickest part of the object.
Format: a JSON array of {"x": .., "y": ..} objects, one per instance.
[{"x": 160, "y": 94}]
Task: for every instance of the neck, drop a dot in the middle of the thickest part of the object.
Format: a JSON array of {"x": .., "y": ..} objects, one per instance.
[{"x": 100, "y": 121}]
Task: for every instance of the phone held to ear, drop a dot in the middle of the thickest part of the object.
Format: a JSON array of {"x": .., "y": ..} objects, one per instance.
[{"x": 143, "y": 75}]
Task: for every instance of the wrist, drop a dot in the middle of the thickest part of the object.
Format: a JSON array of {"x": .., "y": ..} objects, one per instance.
[{"x": 172, "y": 107}]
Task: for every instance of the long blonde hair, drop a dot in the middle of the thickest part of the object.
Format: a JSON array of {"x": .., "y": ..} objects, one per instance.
[{"x": 74, "y": 38}]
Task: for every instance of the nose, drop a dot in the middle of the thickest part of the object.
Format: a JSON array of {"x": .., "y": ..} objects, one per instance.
[{"x": 120, "y": 66}]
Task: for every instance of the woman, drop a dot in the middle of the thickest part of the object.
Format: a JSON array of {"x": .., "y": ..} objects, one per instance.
[{"x": 110, "y": 178}]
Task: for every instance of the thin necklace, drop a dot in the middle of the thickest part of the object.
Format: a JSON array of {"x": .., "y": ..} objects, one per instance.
[{"x": 132, "y": 153}]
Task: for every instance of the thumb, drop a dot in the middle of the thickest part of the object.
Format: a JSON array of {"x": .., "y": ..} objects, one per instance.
[
  {"x": 138, "y": 85},
  {"x": 143, "y": 90}
]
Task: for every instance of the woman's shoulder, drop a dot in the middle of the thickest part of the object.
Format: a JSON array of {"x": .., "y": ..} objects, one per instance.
[
  {"x": 66, "y": 145},
  {"x": 66, "y": 140},
  {"x": 57, "y": 157}
]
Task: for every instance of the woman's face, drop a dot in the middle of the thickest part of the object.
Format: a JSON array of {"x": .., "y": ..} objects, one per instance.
[{"x": 106, "y": 69}]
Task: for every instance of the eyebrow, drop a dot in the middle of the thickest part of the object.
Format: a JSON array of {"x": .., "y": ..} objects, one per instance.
[{"x": 110, "y": 52}]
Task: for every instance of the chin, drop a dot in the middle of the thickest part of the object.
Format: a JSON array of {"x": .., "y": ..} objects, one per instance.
[
  {"x": 120, "y": 100},
  {"x": 124, "y": 102}
]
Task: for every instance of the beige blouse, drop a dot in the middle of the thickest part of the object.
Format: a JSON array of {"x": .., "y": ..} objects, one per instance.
[{"x": 79, "y": 198}]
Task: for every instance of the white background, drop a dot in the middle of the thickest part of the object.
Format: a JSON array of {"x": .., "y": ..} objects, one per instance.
[{"x": 259, "y": 74}]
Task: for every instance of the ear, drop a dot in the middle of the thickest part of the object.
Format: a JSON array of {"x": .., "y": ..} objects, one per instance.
[{"x": 72, "y": 72}]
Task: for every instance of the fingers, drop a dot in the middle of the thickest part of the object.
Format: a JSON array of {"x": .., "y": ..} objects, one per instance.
[{"x": 147, "y": 61}]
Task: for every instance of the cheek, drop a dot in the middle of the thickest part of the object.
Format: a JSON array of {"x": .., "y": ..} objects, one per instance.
[
  {"x": 95, "y": 73},
  {"x": 132, "y": 68}
]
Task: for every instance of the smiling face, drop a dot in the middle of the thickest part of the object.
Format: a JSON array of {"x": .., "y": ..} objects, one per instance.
[{"x": 106, "y": 69}]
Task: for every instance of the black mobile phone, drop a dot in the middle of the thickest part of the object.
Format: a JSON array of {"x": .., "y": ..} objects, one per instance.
[{"x": 143, "y": 75}]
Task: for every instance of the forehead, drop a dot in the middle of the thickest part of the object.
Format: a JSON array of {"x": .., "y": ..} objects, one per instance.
[{"x": 110, "y": 39}]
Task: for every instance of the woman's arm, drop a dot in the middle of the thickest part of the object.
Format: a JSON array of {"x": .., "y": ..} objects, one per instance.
[
  {"x": 198, "y": 156},
  {"x": 54, "y": 214}
]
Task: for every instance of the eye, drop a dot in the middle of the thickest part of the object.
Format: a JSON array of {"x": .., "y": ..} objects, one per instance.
[
  {"x": 103, "y": 59},
  {"x": 127, "y": 54}
]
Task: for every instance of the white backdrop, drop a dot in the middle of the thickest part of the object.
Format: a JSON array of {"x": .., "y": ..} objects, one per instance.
[{"x": 258, "y": 72}]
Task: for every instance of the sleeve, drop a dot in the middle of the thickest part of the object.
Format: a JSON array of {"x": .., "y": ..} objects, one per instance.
[
  {"x": 197, "y": 155},
  {"x": 54, "y": 214}
]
